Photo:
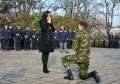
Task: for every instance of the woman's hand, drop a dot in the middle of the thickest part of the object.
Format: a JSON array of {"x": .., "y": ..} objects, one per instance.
[{"x": 49, "y": 20}]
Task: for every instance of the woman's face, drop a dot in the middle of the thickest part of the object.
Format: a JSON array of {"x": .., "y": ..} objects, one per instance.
[{"x": 49, "y": 16}]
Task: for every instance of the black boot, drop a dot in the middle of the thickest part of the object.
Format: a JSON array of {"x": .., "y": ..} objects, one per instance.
[
  {"x": 69, "y": 75},
  {"x": 45, "y": 69},
  {"x": 45, "y": 60},
  {"x": 95, "y": 75}
]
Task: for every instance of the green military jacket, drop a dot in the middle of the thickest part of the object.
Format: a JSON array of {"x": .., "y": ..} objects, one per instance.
[{"x": 82, "y": 46}]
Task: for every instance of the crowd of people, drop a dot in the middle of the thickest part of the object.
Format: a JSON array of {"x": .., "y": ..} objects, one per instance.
[
  {"x": 102, "y": 41},
  {"x": 19, "y": 38}
]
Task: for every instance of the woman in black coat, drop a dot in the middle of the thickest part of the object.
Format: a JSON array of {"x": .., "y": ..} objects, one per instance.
[{"x": 46, "y": 41}]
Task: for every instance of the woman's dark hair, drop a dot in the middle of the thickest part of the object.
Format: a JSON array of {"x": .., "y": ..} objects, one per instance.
[{"x": 44, "y": 17}]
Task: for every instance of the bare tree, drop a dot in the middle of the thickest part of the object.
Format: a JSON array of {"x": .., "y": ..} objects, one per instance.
[
  {"x": 41, "y": 4},
  {"x": 108, "y": 10},
  {"x": 68, "y": 6},
  {"x": 79, "y": 8}
]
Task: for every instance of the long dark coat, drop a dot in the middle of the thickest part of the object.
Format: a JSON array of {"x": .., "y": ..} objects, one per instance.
[{"x": 46, "y": 41}]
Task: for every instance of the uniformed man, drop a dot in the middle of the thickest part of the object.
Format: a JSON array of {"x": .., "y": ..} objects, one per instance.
[
  {"x": 82, "y": 48},
  {"x": 11, "y": 37},
  {"x": 56, "y": 41},
  {"x": 18, "y": 37},
  {"x": 38, "y": 38},
  {"x": 69, "y": 40},
  {"x": 111, "y": 40},
  {"x": 27, "y": 35},
  {"x": 6, "y": 37},
  {"x": 105, "y": 42},
  {"x": 73, "y": 35},
  {"x": 22, "y": 38},
  {"x": 33, "y": 39},
  {"x": 2, "y": 38},
  {"x": 116, "y": 41}
]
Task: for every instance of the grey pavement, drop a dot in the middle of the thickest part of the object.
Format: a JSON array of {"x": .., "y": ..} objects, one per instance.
[{"x": 25, "y": 67}]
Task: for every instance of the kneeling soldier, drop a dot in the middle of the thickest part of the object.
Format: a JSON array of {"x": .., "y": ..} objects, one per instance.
[{"x": 81, "y": 57}]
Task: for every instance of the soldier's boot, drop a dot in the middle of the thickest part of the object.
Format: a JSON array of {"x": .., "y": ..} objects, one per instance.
[
  {"x": 95, "y": 75},
  {"x": 69, "y": 75}
]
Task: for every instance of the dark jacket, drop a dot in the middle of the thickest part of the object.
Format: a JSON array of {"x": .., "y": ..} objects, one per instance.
[
  {"x": 63, "y": 36},
  {"x": 47, "y": 38},
  {"x": 33, "y": 34},
  {"x": 27, "y": 34},
  {"x": 11, "y": 33},
  {"x": 70, "y": 35},
  {"x": 56, "y": 35},
  {"x": 18, "y": 33},
  {"x": 6, "y": 34}
]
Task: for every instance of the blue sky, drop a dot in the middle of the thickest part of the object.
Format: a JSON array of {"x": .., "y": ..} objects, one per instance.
[{"x": 116, "y": 21}]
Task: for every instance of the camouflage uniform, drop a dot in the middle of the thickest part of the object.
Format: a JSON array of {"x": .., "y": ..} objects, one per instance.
[
  {"x": 105, "y": 42},
  {"x": 82, "y": 47}
]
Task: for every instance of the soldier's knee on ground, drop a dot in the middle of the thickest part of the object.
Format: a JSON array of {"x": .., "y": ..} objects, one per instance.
[
  {"x": 83, "y": 75},
  {"x": 83, "y": 71}
]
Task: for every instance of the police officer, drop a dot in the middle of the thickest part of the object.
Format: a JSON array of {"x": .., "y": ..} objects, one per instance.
[
  {"x": 33, "y": 39},
  {"x": 116, "y": 41},
  {"x": 6, "y": 37},
  {"x": 27, "y": 35},
  {"x": 18, "y": 37},
  {"x": 11, "y": 37},
  {"x": 111, "y": 40},
  {"x": 56, "y": 41},
  {"x": 82, "y": 47},
  {"x": 73, "y": 35},
  {"x": 69, "y": 40},
  {"x": 38, "y": 37},
  {"x": 105, "y": 42},
  {"x": 1, "y": 38}
]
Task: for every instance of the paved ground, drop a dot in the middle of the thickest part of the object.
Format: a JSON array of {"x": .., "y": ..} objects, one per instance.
[{"x": 25, "y": 67}]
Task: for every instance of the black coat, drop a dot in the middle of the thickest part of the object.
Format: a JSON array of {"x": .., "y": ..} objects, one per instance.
[{"x": 46, "y": 42}]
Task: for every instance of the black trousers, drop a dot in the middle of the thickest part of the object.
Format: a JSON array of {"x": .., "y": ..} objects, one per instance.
[
  {"x": 17, "y": 43},
  {"x": 6, "y": 44},
  {"x": 2, "y": 44},
  {"x": 69, "y": 44},
  {"x": 33, "y": 44},
  {"x": 11, "y": 43},
  {"x": 27, "y": 43},
  {"x": 45, "y": 56}
]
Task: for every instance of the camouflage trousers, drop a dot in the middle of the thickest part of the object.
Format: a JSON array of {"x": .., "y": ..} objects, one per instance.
[{"x": 83, "y": 66}]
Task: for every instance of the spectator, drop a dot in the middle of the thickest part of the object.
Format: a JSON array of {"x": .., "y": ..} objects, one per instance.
[{"x": 62, "y": 35}]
